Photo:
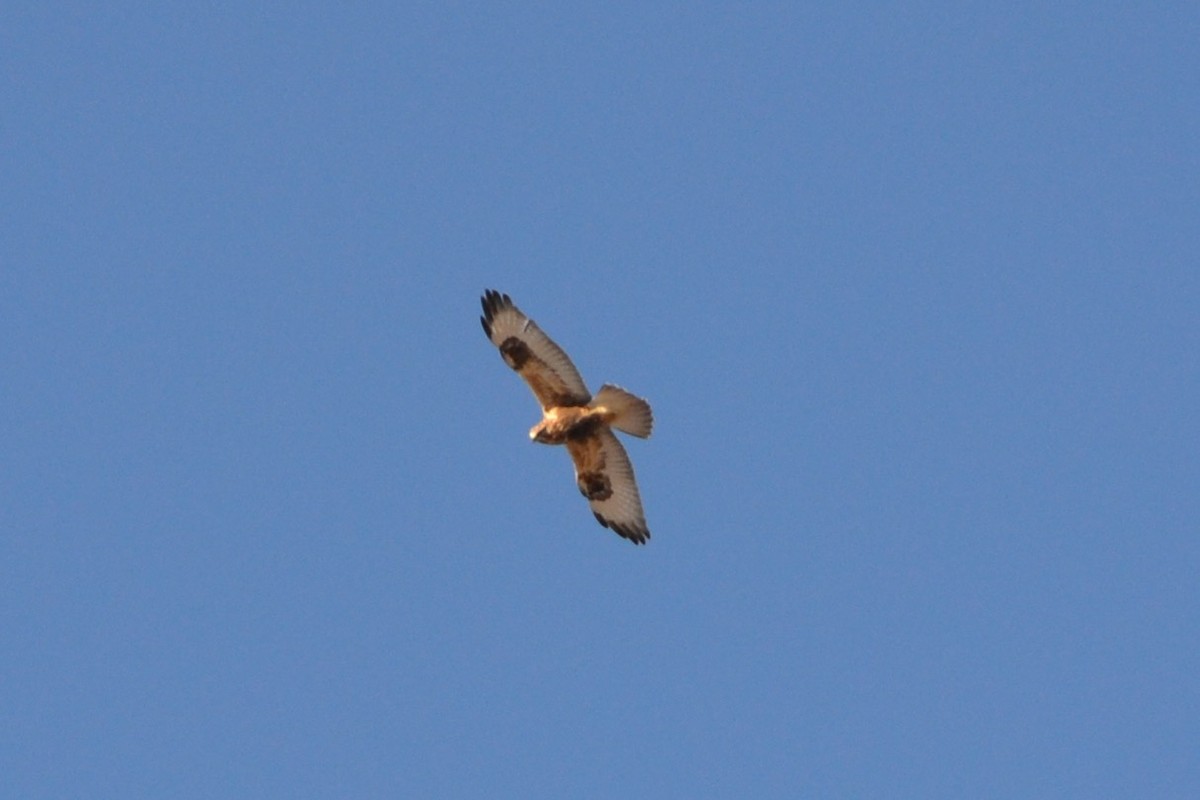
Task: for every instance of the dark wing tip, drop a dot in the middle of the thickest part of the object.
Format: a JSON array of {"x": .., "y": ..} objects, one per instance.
[
  {"x": 493, "y": 302},
  {"x": 638, "y": 534}
]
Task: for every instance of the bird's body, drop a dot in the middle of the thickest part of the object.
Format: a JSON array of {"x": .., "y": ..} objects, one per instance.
[
  {"x": 562, "y": 423},
  {"x": 571, "y": 416}
]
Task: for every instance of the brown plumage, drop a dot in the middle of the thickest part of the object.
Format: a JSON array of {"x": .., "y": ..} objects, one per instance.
[{"x": 571, "y": 416}]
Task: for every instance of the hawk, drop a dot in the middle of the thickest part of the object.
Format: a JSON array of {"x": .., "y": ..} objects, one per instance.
[{"x": 571, "y": 416}]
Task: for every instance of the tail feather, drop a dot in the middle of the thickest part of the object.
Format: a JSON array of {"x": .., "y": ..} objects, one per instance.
[{"x": 631, "y": 413}]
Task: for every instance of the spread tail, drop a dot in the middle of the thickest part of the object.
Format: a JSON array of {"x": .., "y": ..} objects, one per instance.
[{"x": 631, "y": 414}]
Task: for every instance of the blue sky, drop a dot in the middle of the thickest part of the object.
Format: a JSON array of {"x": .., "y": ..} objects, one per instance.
[{"x": 913, "y": 290}]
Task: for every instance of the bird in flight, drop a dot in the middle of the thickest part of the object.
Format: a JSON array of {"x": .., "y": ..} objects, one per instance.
[{"x": 571, "y": 416}]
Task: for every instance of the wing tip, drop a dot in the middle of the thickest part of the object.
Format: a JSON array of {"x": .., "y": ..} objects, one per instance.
[
  {"x": 493, "y": 303},
  {"x": 637, "y": 533}
]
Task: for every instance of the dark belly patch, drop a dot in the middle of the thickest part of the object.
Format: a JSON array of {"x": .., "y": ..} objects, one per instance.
[{"x": 584, "y": 429}]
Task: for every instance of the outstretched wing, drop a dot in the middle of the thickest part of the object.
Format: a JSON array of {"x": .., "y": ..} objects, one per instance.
[
  {"x": 533, "y": 354},
  {"x": 605, "y": 477}
]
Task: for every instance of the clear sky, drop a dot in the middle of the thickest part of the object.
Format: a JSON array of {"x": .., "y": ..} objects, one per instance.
[{"x": 914, "y": 289}]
